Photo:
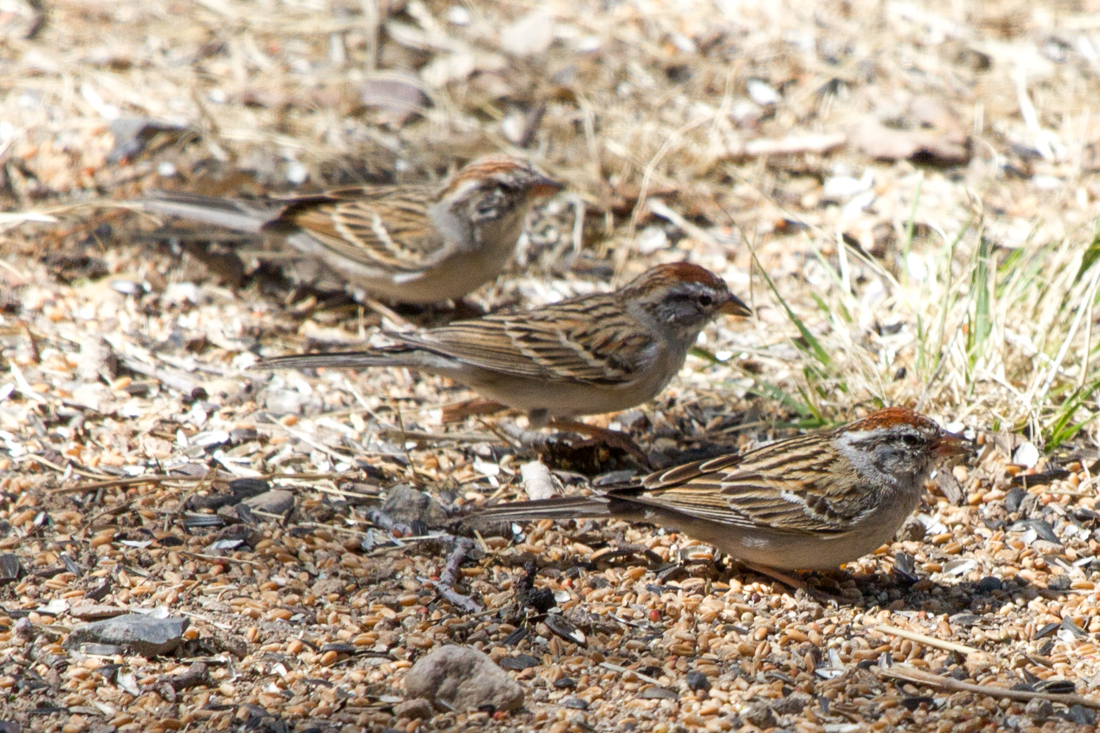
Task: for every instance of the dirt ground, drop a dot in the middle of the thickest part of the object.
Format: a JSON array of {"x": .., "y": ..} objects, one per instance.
[{"x": 906, "y": 194}]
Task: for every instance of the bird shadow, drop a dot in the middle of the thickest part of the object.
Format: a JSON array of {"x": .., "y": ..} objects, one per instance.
[
  {"x": 896, "y": 590},
  {"x": 904, "y": 591}
]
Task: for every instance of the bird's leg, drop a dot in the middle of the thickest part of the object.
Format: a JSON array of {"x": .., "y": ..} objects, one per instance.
[
  {"x": 463, "y": 410},
  {"x": 530, "y": 438},
  {"x": 388, "y": 314},
  {"x": 788, "y": 580},
  {"x": 791, "y": 581},
  {"x": 537, "y": 418},
  {"x": 612, "y": 438}
]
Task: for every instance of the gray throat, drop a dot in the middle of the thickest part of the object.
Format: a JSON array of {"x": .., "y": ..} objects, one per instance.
[
  {"x": 678, "y": 340},
  {"x": 453, "y": 227}
]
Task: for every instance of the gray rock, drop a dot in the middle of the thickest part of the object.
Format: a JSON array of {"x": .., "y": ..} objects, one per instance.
[
  {"x": 96, "y": 612},
  {"x": 633, "y": 419},
  {"x": 143, "y": 635},
  {"x": 913, "y": 531},
  {"x": 406, "y": 504},
  {"x": 229, "y": 514},
  {"x": 276, "y": 501},
  {"x": 233, "y": 537},
  {"x": 244, "y": 488},
  {"x": 760, "y": 714},
  {"x": 697, "y": 681},
  {"x": 416, "y": 709},
  {"x": 10, "y": 568},
  {"x": 1039, "y": 709},
  {"x": 325, "y": 586},
  {"x": 197, "y": 675},
  {"x": 23, "y": 629},
  {"x": 464, "y": 679},
  {"x": 519, "y": 662},
  {"x": 793, "y": 703}
]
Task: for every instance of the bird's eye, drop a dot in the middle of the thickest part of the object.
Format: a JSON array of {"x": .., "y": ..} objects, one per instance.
[
  {"x": 910, "y": 439},
  {"x": 705, "y": 300},
  {"x": 491, "y": 205}
]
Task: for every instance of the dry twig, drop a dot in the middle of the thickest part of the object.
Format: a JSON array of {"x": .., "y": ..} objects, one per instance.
[
  {"x": 949, "y": 646},
  {"x": 449, "y": 576},
  {"x": 160, "y": 478},
  {"x": 912, "y": 674}
]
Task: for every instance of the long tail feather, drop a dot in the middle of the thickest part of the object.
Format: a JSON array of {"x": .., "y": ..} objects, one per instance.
[
  {"x": 566, "y": 507},
  {"x": 340, "y": 360},
  {"x": 208, "y": 210}
]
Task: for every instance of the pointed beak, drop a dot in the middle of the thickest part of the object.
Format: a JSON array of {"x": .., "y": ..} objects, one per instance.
[
  {"x": 953, "y": 445},
  {"x": 734, "y": 307},
  {"x": 544, "y": 186}
]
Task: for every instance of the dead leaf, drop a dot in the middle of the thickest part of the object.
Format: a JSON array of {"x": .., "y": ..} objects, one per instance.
[{"x": 884, "y": 143}]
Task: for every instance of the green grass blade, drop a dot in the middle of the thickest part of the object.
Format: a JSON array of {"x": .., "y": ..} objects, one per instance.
[
  {"x": 1063, "y": 428},
  {"x": 981, "y": 325},
  {"x": 808, "y": 342},
  {"x": 1092, "y": 254}
]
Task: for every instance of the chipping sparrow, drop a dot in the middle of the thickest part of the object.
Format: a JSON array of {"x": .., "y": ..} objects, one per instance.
[
  {"x": 408, "y": 243},
  {"x": 586, "y": 355},
  {"x": 811, "y": 502}
]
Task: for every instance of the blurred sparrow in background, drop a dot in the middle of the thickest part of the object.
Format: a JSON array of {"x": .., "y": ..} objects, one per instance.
[{"x": 407, "y": 243}]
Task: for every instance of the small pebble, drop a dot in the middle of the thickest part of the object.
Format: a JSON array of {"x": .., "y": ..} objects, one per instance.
[
  {"x": 760, "y": 714},
  {"x": 792, "y": 704},
  {"x": 416, "y": 709},
  {"x": 1039, "y": 710},
  {"x": 464, "y": 678},
  {"x": 989, "y": 584},
  {"x": 1059, "y": 582},
  {"x": 697, "y": 681}
]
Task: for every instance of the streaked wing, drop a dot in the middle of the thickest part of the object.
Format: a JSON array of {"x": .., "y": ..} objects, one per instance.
[
  {"x": 589, "y": 340},
  {"x": 789, "y": 486},
  {"x": 386, "y": 227}
]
